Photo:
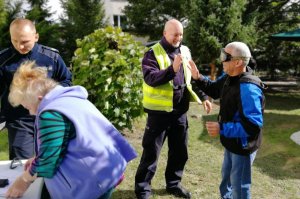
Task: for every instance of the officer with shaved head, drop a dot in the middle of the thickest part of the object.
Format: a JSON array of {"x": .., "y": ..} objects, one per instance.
[
  {"x": 19, "y": 122},
  {"x": 167, "y": 92}
]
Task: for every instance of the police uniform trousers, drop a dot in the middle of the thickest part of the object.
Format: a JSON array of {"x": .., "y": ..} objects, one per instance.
[
  {"x": 20, "y": 140},
  {"x": 158, "y": 127}
]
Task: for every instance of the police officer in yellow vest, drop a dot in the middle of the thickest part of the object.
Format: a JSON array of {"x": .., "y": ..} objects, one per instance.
[{"x": 167, "y": 91}]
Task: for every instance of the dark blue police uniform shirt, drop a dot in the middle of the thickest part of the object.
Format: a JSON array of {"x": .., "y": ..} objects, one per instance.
[{"x": 11, "y": 59}]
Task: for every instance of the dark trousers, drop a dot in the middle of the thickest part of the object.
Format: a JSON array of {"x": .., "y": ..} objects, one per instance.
[
  {"x": 20, "y": 141},
  {"x": 158, "y": 127}
]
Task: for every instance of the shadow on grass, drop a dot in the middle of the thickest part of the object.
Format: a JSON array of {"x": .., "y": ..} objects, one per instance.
[
  {"x": 279, "y": 165},
  {"x": 124, "y": 194},
  {"x": 280, "y": 101},
  {"x": 129, "y": 194},
  {"x": 203, "y": 136},
  {"x": 278, "y": 156}
]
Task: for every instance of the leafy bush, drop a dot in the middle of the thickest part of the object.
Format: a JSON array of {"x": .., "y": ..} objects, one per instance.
[{"x": 108, "y": 64}]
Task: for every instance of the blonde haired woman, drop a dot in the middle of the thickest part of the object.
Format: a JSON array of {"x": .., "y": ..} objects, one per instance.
[{"x": 78, "y": 151}]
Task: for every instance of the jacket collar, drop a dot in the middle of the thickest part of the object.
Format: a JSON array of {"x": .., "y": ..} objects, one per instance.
[
  {"x": 33, "y": 50},
  {"x": 249, "y": 71},
  {"x": 168, "y": 47}
]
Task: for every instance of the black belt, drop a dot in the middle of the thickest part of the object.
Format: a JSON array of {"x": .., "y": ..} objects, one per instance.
[{"x": 179, "y": 86}]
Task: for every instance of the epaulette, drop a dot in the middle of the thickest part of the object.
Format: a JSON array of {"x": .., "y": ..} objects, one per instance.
[
  {"x": 49, "y": 48},
  {"x": 5, "y": 56},
  {"x": 48, "y": 51},
  {"x": 4, "y": 51}
]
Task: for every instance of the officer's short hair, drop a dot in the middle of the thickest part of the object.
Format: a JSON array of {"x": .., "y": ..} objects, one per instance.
[{"x": 23, "y": 22}]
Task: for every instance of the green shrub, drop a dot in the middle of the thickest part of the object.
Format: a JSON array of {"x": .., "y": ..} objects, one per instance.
[{"x": 108, "y": 64}]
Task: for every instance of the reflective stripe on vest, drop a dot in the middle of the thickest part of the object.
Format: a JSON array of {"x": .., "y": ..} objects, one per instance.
[
  {"x": 186, "y": 55},
  {"x": 160, "y": 98}
]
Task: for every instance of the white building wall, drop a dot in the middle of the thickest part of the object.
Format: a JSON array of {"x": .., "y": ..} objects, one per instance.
[{"x": 114, "y": 8}]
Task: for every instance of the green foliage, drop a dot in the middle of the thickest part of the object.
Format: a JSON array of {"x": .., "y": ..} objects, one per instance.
[
  {"x": 211, "y": 24},
  {"x": 2, "y": 13},
  {"x": 2, "y": 23},
  {"x": 274, "y": 17},
  {"x": 38, "y": 11},
  {"x": 3, "y": 145},
  {"x": 107, "y": 63},
  {"x": 147, "y": 17},
  {"x": 49, "y": 31},
  {"x": 215, "y": 23},
  {"x": 12, "y": 10},
  {"x": 81, "y": 17}
]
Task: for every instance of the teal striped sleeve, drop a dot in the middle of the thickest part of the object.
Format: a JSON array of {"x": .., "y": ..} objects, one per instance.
[{"x": 55, "y": 132}]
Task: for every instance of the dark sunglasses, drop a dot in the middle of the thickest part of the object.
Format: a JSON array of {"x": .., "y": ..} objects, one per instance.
[
  {"x": 225, "y": 57},
  {"x": 15, "y": 163}
]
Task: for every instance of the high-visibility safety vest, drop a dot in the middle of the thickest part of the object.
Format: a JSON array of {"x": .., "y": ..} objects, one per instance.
[{"x": 160, "y": 98}]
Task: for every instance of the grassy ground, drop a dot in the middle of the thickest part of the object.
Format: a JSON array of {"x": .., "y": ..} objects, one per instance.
[
  {"x": 276, "y": 170},
  {"x": 3, "y": 145}
]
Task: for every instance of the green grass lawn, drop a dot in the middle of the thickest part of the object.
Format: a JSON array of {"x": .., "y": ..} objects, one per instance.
[
  {"x": 276, "y": 170},
  {"x": 3, "y": 145}
]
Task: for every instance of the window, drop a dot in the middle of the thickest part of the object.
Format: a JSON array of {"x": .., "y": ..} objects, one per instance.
[{"x": 120, "y": 21}]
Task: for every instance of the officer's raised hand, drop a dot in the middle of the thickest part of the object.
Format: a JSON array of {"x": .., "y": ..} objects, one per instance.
[{"x": 177, "y": 62}]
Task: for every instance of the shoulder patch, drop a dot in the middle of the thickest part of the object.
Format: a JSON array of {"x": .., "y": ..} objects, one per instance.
[
  {"x": 48, "y": 51},
  {"x": 49, "y": 48}
]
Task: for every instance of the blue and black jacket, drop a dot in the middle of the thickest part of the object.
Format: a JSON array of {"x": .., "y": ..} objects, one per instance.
[
  {"x": 241, "y": 110},
  {"x": 10, "y": 60}
]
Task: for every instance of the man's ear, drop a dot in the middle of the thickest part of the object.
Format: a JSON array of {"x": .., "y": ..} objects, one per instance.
[
  {"x": 239, "y": 63},
  {"x": 37, "y": 36}
]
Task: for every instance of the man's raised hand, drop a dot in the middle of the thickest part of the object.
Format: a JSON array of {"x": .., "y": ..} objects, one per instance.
[
  {"x": 177, "y": 63},
  {"x": 194, "y": 70}
]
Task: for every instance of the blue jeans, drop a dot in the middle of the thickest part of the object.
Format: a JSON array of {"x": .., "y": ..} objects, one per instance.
[{"x": 236, "y": 176}]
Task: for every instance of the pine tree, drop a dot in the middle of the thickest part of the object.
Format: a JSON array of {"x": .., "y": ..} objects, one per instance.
[
  {"x": 147, "y": 17},
  {"x": 2, "y": 13},
  {"x": 80, "y": 18},
  {"x": 2, "y": 23},
  {"x": 11, "y": 11},
  {"x": 49, "y": 31},
  {"x": 274, "y": 17},
  {"x": 212, "y": 24}
]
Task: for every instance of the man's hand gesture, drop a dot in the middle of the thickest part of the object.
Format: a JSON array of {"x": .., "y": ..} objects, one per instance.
[
  {"x": 177, "y": 62},
  {"x": 194, "y": 70}
]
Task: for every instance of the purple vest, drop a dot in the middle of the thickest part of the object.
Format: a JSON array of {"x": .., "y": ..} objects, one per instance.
[{"x": 96, "y": 158}]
